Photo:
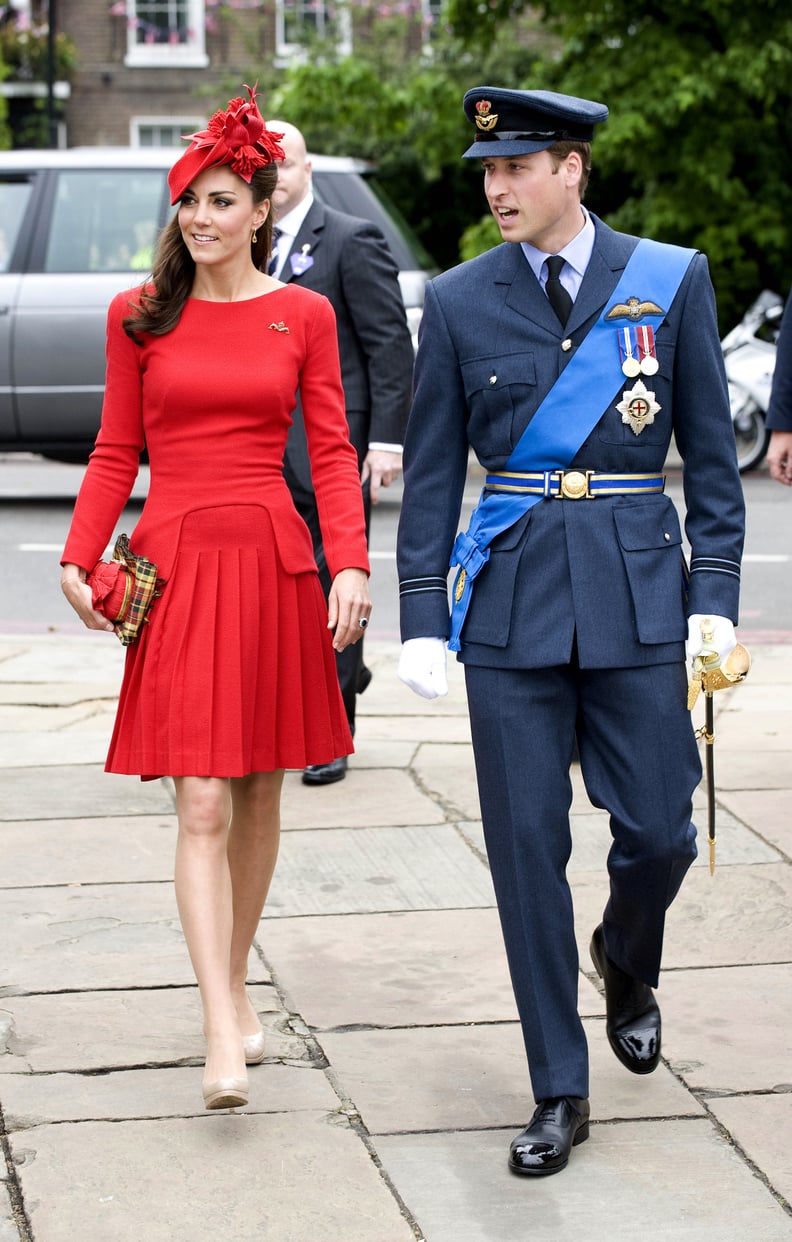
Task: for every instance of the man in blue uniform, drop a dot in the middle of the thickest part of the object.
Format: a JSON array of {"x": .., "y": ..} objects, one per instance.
[{"x": 567, "y": 358}]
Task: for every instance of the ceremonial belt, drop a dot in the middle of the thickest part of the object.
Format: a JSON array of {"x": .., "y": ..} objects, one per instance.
[
  {"x": 573, "y": 484},
  {"x": 567, "y": 415}
]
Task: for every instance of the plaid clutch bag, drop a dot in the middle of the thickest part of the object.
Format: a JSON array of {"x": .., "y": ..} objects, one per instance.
[{"x": 124, "y": 589}]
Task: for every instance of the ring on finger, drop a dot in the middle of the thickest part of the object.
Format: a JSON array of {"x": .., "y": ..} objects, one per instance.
[{"x": 363, "y": 622}]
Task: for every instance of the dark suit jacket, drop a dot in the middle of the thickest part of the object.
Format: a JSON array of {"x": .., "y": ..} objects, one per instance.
[
  {"x": 779, "y": 414},
  {"x": 605, "y": 574},
  {"x": 353, "y": 267}
]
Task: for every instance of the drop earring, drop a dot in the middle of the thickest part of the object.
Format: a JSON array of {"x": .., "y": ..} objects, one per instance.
[{"x": 254, "y": 238}]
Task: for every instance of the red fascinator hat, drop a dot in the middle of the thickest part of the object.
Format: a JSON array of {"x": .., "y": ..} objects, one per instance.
[{"x": 238, "y": 137}]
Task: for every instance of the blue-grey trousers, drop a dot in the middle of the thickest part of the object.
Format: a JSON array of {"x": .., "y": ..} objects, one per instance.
[{"x": 640, "y": 762}]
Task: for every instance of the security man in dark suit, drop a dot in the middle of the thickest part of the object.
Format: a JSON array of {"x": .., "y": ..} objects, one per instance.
[
  {"x": 347, "y": 259},
  {"x": 779, "y": 413},
  {"x": 566, "y": 358}
]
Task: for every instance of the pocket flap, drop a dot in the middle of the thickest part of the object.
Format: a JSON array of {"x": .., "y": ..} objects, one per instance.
[
  {"x": 644, "y": 526},
  {"x": 490, "y": 374}
]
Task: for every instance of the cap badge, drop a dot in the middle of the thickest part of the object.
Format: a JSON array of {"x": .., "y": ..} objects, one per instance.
[
  {"x": 485, "y": 119},
  {"x": 638, "y": 407},
  {"x": 634, "y": 309}
]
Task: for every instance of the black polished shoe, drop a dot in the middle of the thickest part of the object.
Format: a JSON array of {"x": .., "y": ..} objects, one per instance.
[
  {"x": 325, "y": 773},
  {"x": 556, "y": 1127},
  {"x": 633, "y": 1016}
]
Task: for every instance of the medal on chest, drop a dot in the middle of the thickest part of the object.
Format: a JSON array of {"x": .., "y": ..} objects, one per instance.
[
  {"x": 637, "y": 356},
  {"x": 638, "y": 407}
]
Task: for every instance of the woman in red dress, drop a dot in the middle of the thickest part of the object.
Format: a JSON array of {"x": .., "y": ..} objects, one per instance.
[{"x": 233, "y": 676}]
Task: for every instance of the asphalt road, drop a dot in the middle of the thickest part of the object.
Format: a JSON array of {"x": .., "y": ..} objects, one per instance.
[{"x": 36, "y": 498}]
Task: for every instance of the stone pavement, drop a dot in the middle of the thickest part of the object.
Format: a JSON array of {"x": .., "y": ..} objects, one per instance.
[{"x": 394, "y": 1076}]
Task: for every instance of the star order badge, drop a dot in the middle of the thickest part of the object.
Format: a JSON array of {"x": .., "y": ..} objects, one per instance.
[{"x": 638, "y": 407}]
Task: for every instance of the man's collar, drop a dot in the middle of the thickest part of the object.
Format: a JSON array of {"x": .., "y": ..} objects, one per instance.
[
  {"x": 292, "y": 222},
  {"x": 577, "y": 252}
]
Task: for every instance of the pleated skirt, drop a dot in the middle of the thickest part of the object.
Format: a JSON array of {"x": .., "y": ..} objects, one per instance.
[{"x": 235, "y": 671}]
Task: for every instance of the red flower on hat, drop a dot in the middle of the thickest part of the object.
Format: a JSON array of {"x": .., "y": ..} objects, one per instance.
[{"x": 240, "y": 137}]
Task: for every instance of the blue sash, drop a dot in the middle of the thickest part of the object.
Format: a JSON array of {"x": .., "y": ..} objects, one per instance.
[{"x": 564, "y": 420}]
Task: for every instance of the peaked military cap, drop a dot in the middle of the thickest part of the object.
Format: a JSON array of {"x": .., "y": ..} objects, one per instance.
[{"x": 520, "y": 122}]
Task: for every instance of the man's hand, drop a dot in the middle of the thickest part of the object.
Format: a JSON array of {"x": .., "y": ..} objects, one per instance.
[
  {"x": 723, "y": 636},
  {"x": 779, "y": 457},
  {"x": 381, "y": 468},
  {"x": 422, "y": 667}
]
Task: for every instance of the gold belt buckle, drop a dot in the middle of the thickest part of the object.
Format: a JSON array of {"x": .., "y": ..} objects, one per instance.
[{"x": 573, "y": 485}]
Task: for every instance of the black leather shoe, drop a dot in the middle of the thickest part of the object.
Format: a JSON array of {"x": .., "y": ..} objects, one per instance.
[
  {"x": 556, "y": 1127},
  {"x": 325, "y": 773},
  {"x": 633, "y": 1017}
]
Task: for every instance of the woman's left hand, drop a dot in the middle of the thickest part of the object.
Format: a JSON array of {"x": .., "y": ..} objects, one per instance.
[{"x": 349, "y": 607}]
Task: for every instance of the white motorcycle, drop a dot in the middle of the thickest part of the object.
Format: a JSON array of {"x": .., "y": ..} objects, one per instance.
[{"x": 749, "y": 353}]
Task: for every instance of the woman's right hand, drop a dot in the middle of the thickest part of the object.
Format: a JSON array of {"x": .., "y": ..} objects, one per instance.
[{"x": 79, "y": 595}]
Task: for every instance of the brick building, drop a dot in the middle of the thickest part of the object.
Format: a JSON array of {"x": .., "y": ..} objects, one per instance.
[{"x": 149, "y": 70}]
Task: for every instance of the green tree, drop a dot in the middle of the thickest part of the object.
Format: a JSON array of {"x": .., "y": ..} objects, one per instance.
[
  {"x": 697, "y": 148},
  {"x": 404, "y": 114}
]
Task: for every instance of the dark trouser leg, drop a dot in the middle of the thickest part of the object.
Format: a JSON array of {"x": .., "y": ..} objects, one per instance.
[
  {"x": 639, "y": 760},
  {"x": 523, "y": 726}
]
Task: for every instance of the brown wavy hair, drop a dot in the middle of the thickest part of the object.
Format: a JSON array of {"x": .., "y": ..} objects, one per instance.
[{"x": 161, "y": 301}]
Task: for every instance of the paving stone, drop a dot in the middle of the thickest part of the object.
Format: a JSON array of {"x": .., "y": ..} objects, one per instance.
[
  {"x": 336, "y": 871},
  {"x": 393, "y": 969},
  {"x": 120, "y": 849},
  {"x": 740, "y": 914},
  {"x": 241, "y": 1176},
  {"x": 8, "y": 1228},
  {"x": 413, "y": 729},
  {"x": 710, "y": 1042},
  {"x": 364, "y": 799},
  {"x": 476, "y": 1076},
  {"x": 97, "y": 1031},
  {"x": 128, "y": 1095},
  {"x": 761, "y": 1125},
  {"x": 68, "y": 792},
  {"x": 81, "y": 661},
  {"x": 667, "y": 1180},
  {"x": 104, "y": 935},
  {"x": 767, "y": 812},
  {"x": 42, "y": 750},
  {"x": 447, "y": 772}
]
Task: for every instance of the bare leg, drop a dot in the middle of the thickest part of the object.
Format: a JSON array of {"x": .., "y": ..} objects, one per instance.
[
  {"x": 252, "y": 853},
  {"x": 204, "y": 899}
]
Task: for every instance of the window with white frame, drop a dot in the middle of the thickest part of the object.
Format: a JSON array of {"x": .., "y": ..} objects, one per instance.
[
  {"x": 297, "y": 22},
  {"x": 162, "y": 131},
  {"x": 166, "y": 33}
]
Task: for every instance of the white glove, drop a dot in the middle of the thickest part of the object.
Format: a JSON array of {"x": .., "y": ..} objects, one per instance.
[
  {"x": 422, "y": 666},
  {"x": 723, "y": 637}
]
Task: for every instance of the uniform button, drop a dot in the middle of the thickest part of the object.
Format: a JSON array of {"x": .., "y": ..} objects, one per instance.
[
  {"x": 493, "y": 379},
  {"x": 566, "y": 345},
  {"x": 666, "y": 536}
]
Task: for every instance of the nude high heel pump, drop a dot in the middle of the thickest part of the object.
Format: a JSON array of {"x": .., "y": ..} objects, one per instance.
[
  {"x": 226, "y": 1093},
  {"x": 254, "y": 1047}
]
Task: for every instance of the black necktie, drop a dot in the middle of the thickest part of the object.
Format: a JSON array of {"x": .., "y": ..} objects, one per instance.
[
  {"x": 557, "y": 295},
  {"x": 273, "y": 263}
]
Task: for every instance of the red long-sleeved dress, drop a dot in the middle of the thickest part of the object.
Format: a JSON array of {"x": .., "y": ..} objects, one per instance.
[{"x": 234, "y": 671}]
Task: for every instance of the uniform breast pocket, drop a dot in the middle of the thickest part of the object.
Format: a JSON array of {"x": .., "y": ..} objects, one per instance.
[
  {"x": 497, "y": 388},
  {"x": 638, "y": 423},
  {"x": 651, "y": 545}
]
